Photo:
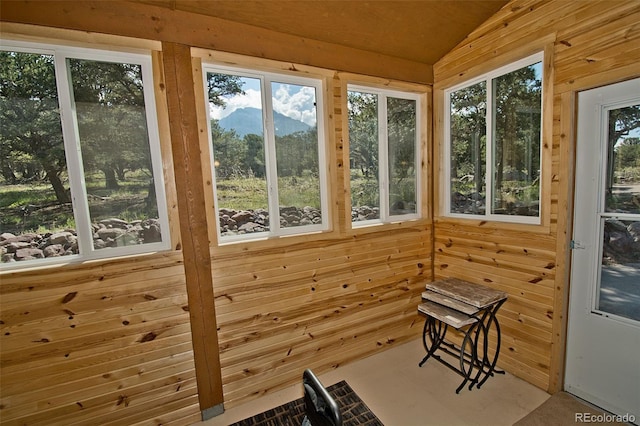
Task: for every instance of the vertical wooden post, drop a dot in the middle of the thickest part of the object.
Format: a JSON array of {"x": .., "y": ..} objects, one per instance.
[{"x": 181, "y": 102}]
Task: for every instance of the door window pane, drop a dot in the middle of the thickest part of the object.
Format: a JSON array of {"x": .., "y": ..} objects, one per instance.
[
  {"x": 619, "y": 291},
  {"x": 468, "y": 149},
  {"x": 363, "y": 155},
  {"x": 114, "y": 141},
  {"x": 401, "y": 128},
  {"x": 296, "y": 137},
  {"x": 622, "y": 178}
]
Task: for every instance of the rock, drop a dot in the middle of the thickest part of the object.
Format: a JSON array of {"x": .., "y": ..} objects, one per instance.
[
  {"x": 242, "y": 217},
  {"x": 620, "y": 241},
  {"x": 634, "y": 230},
  {"x": 64, "y": 238},
  {"x": 150, "y": 231},
  {"x": 110, "y": 233},
  {"x": 23, "y": 238},
  {"x": 115, "y": 223},
  {"x": 13, "y": 247},
  {"x": 6, "y": 236},
  {"x": 251, "y": 227},
  {"x": 305, "y": 221},
  {"x": 228, "y": 212},
  {"x": 28, "y": 254},
  {"x": 99, "y": 243},
  {"x": 53, "y": 250}
]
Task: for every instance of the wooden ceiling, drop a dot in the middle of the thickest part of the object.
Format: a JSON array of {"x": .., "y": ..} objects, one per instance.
[{"x": 420, "y": 31}]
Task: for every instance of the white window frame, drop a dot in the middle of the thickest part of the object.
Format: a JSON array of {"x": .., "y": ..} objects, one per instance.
[
  {"x": 383, "y": 149},
  {"x": 488, "y": 78},
  {"x": 73, "y": 153},
  {"x": 266, "y": 79}
]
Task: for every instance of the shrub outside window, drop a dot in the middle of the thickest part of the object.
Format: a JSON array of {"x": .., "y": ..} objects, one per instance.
[
  {"x": 384, "y": 155},
  {"x": 81, "y": 172},
  {"x": 493, "y": 138},
  {"x": 268, "y": 153}
]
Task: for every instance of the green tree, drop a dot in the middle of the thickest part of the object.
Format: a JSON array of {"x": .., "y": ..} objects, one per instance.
[
  {"x": 468, "y": 140},
  {"x": 30, "y": 129},
  {"x": 229, "y": 152},
  {"x": 363, "y": 133},
  {"x": 628, "y": 154},
  {"x": 622, "y": 122},
  {"x": 254, "y": 159},
  {"x": 222, "y": 85},
  {"x": 517, "y": 104},
  {"x": 110, "y": 108}
]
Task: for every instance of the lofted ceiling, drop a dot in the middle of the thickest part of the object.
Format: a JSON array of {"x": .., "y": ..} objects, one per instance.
[{"x": 420, "y": 31}]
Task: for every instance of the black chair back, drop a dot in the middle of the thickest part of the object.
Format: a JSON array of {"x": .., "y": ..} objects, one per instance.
[{"x": 320, "y": 407}]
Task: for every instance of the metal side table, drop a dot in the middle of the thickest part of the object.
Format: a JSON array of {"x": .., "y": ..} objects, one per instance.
[{"x": 471, "y": 309}]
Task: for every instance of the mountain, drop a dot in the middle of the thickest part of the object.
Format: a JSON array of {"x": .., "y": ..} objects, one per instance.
[{"x": 247, "y": 121}]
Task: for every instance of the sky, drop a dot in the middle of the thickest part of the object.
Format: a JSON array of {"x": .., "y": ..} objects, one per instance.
[{"x": 294, "y": 101}]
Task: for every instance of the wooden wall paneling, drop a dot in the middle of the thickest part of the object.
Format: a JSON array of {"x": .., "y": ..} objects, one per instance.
[
  {"x": 146, "y": 21},
  {"x": 566, "y": 108},
  {"x": 353, "y": 343},
  {"x": 546, "y": 148},
  {"x": 585, "y": 44},
  {"x": 343, "y": 188},
  {"x": 159, "y": 85},
  {"x": 206, "y": 153},
  {"x": 524, "y": 30},
  {"x": 102, "y": 343},
  {"x": 333, "y": 152},
  {"x": 278, "y": 309},
  {"x": 181, "y": 99}
]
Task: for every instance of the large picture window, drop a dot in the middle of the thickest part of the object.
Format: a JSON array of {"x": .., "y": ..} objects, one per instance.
[
  {"x": 81, "y": 171},
  {"x": 384, "y": 155},
  {"x": 268, "y": 153},
  {"x": 493, "y": 139}
]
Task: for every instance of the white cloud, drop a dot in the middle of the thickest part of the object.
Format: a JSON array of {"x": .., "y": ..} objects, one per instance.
[
  {"x": 250, "y": 99},
  {"x": 297, "y": 102}
]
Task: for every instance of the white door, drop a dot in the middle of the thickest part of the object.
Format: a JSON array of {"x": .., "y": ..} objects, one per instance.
[{"x": 603, "y": 338}]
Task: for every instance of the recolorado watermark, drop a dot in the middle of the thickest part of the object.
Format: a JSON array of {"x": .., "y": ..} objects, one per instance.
[{"x": 604, "y": 418}]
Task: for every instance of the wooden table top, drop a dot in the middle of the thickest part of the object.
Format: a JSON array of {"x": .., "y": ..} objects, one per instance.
[{"x": 477, "y": 295}]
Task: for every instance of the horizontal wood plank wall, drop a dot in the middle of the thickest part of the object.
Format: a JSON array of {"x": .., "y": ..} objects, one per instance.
[
  {"x": 593, "y": 43},
  {"x": 315, "y": 305},
  {"x": 104, "y": 343}
]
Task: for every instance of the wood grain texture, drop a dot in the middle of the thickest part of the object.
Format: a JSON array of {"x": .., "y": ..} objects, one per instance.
[
  {"x": 319, "y": 306},
  {"x": 145, "y": 21},
  {"x": 104, "y": 343},
  {"x": 181, "y": 101},
  {"x": 586, "y": 44},
  {"x": 111, "y": 342}
]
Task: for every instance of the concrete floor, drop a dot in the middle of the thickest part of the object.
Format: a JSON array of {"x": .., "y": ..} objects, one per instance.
[{"x": 402, "y": 394}]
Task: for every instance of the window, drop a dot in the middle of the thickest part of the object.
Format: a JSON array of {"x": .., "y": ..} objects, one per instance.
[
  {"x": 80, "y": 168},
  {"x": 268, "y": 153},
  {"x": 493, "y": 139},
  {"x": 384, "y": 157}
]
